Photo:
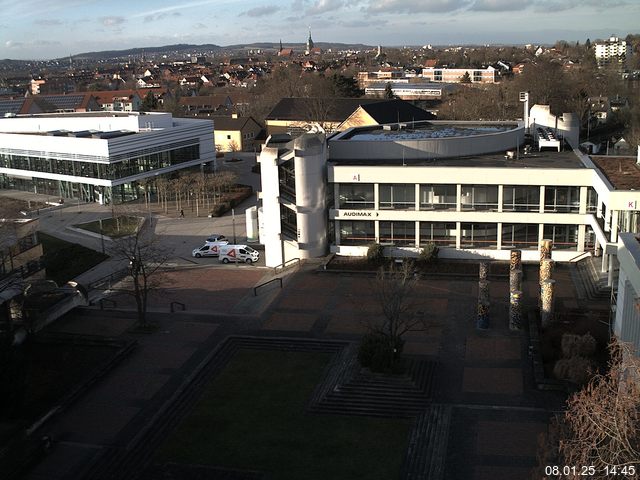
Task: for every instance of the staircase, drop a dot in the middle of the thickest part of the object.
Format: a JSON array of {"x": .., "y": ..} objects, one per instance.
[
  {"x": 427, "y": 449},
  {"x": 590, "y": 282}
]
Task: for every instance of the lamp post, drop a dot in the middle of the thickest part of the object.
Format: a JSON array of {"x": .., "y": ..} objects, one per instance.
[{"x": 233, "y": 224}]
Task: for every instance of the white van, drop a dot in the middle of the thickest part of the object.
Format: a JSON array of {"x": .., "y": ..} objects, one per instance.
[
  {"x": 238, "y": 253},
  {"x": 209, "y": 249}
]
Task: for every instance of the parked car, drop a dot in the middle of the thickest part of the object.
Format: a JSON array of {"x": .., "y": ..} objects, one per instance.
[
  {"x": 217, "y": 237},
  {"x": 238, "y": 253},
  {"x": 209, "y": 249}
]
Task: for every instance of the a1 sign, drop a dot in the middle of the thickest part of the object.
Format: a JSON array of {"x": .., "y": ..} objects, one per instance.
[
  {"x": 214, "y": 249},
  {"x": 232, "y": 253}
]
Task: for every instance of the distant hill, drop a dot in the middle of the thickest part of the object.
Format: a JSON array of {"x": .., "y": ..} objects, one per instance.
[
  {"x": 189, "y": 48},
  {"x": 178, "y": 48}
]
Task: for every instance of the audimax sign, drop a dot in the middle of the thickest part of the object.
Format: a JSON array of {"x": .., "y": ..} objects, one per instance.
[{"x": 358, "y": 214}]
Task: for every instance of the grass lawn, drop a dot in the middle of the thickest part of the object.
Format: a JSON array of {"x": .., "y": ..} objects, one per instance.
[
  {"x": 252, "y": 417},
  {"x": 113, "y": 227},
  {"x": 64, "y": 260}
]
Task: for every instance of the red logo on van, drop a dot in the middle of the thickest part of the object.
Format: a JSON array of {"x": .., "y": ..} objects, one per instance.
[
  {"x": 214, "y": 249},
  {"x": 232, "y": 253}
]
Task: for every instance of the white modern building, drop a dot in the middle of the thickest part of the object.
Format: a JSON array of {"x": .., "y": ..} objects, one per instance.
[
  {"x": 627, "y": 300},
  {"x": 612, "y": 52},
  {"x": 98, "y": 156},
  {"x": 476, "y": 189},
  {"x": 456, "y": 75}
]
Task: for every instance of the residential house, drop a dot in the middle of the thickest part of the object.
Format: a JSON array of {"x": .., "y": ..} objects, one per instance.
[
  {"x": 119, "y": 100},
  {"x": 295, "y": 115},
  {"x": 75, "y": 102},
  {"x": 236, "y": 134}
]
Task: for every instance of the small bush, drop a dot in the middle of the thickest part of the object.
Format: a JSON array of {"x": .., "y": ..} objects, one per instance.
[
  {"x": 377, "y": 353},
  {"x": 587, "y": 345},
  {"x": 219, "y": 209},
  {"x": 428, "y": 254},
  {"x": 570, "y": 345},
  {"x": 375, "y": 254},
  {"x": 577, "y": 370}
]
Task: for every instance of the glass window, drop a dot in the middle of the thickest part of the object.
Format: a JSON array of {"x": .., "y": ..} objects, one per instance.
[
  {"x": 398, "y": 233},
  {"x": 520, "y": 235},
  {"x": 479, "y": 197},
  {"x": 397, "y": 196},
  {"x": 356, "y": 195},
  {"x": 562, "y": 199},
  {"x": 438, "y": 197},
  {"x": 592, "y": 200},
  {"x": 565, "y": 237},
  {"x": 288, "y": 222},
  {"x": 354, "y": 232},
  {"x": 520, "y": 198},
  {"x": 479, "y": 235},
  {"x": 442, "y": 234}
]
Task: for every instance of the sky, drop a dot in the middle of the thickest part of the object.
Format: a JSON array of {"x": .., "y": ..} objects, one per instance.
[{"x": 45, "y": 29}]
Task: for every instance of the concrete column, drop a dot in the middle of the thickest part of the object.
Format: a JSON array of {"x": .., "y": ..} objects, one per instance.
[
  {"x": 547, "y": 295},
  {"x": 546, "y": 246},
  {"x": 582, "y": 235},
  {"x": 605, "y": 261},
  {"x": 583, "y": 200},
  {"x": 458, "y": 199},
  {"x": 458, "y": 232},
  {"x": 417, "y": 230},
  {"x": 607, "y": 221},
  {"x": 546, "y": 269},
  {"x": 614, "y": 226},
  {"x": 515, "y": 260},
  {"x": 499, "y": 239},
  {"x": 540, "y": 232},
  {"x": 376, "y": 196},
  {"x": 612, "y": 267},
  {"x": 542, "y": 188},
  {"x": 515, "y": 310},
  {"x": 484, "y": 271},
  {"x": 376, "y": 230},
  {"x": 500, "y": 199},
  {"x": 482, "y": 321},
  {"x": 417, "y": 195}
]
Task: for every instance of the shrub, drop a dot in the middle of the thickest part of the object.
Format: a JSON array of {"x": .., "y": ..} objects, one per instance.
[
  {"x": 570, "y": 345},
  {"x": 587, "y": 345},
  {"x": 577, "y": 370},
  {"x": 377, "y": 353},
  {"x": 428, "y": 254},
  {"x": 219, "y": 209},
  {"x": 375, "y": 254}
]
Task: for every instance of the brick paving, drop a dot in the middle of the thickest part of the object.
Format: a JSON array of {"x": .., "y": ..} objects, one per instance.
[{"x": 484, "y": 375}]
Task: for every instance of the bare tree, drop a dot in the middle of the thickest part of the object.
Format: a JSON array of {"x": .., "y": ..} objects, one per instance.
[
  {"x": 395, "y": 291},
  {"x": 601, "y": 426},
  {"x": 145, "y": 257}
]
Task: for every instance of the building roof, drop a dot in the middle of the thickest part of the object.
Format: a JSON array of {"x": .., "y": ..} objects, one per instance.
[
  {"x": 207, "y": 101},
  {"x": 339, "y": 109},
  {"x": 396, "y": 111},
  {"x": 49, "y": 104},
  {"x": 107, "y": 96},
  {"x": 622, "y": 172},
  {"x": 231, "y": 123}
]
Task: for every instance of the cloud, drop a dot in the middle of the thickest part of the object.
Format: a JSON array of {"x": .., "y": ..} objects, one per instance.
[
  {"x": 499, "y": 5},
  {"x": 261, "y": 11},
  {"x": 12, "y": 44},
  {"x": 52, "y": 22},
  {"x": 112, "y": 21},
  {"x": 161, "y": 16},
  {"x": 414, "y": 6},
  {"x": 322, "y": 6},
  {"x": 200, "y": 26},
  {"x": 364, "y": 23}
]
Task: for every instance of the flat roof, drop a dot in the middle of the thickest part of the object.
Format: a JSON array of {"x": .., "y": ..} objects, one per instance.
[
  {"x": 543, "y": 159},
  {"x": 622, "y": 172}
]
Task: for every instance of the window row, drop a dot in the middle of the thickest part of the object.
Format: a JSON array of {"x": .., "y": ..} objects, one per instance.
[
  {"x": 105, "y": 171},
  {"x": 472, "y": 235},
  {"x": 473, "y": 197}
]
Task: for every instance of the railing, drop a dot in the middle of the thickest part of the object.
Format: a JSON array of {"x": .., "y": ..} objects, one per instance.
[
  {"x": 255, "y": 289},
  {"x": 105, "y": 282},
  {"x": 283, "y": 266}
]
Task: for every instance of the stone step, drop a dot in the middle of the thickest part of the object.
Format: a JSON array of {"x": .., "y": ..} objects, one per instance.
[{"x": 426, "y": 452}]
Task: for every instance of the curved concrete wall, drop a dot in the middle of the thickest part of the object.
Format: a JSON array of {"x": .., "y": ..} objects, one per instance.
[
  {"x": 311, "y": 215},
  {"x": 428, "y": 148}
]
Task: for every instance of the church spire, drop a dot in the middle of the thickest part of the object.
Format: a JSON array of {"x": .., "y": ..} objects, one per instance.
[{"x": 309, "y": 43}]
